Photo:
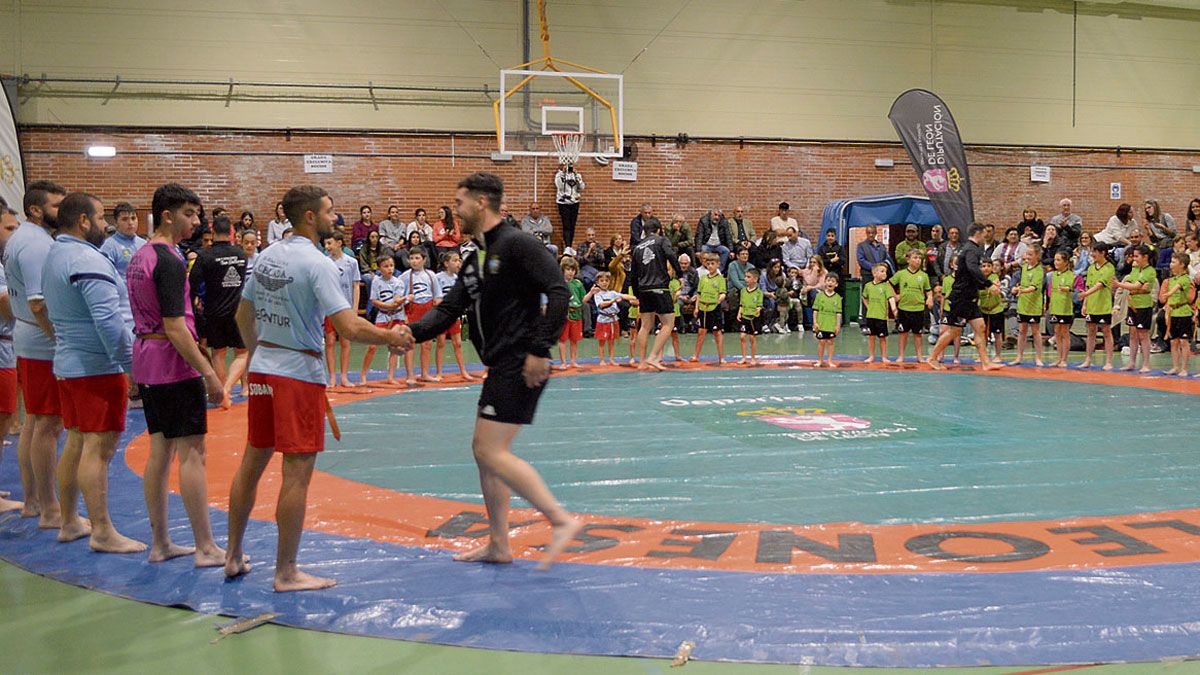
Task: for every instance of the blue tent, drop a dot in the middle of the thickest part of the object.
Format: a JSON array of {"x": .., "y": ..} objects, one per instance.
[{"x": 897, "y": 209}]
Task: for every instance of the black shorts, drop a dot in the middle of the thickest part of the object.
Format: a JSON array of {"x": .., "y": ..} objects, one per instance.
[
  {"x": 1066, "y": 319},
  {"x": 1182, "y": 328},
  {"x": 875, "y": 327},
  {"x": 1140, "y": 317},
  {"x": 995, "y": 323},
  {"x": 176, "y": 410},
  {"x": 656, "y": 301},
  {"x": 1100, "y": 319},
  {"x": 751, "y": 326},
  {"x": 1029, "y": 318},
  {"x": 963, "y": 310},
  {"x": 826, "y": 335},
  {"x": 712, "y": 320},
  {"x": 222, "y": 332},
  {"x": 505, "y": 398},
  {"x": 912, "y": 322}
]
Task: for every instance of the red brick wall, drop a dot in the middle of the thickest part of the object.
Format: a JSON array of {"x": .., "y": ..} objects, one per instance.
[{"x": 688, "y": 179}]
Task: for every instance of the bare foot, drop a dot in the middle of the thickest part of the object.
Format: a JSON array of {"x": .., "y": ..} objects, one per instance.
[
  {"x": 992, "y": 365},
  {"x": 558, "y": 366},
  {"x": 693, "y": 359},
  {"x": 171, "y": 551},
  {"x": 214, "y": 556},
  {"x": 657, "y": 365},
  {"x": 227, "y": 401},
  {"x": 5, "y": 494},
  {"x": 487, "y": 554},
  {"x": 1085, "y": 365},
  {"x": 235, "y": 568},
  {"x": 467, "y": 376},
  {"x": 77, "y": 529},
  {"x": 347, "y": 383},
  {"x": 1145, "y": 371},
  {"x": 7, "y": 505},
  {"x": 1183, "y": 373},
  {"x": 30, "y": 510},
  {"x": 51, "y": 520},
  {"x": 564, "y": 534},
  {"x": 1171, "y": 371},
  {"x": 1039, "y": 364},
  {"x": 870, "y": 359},
  {"x": 412, "y": 382},
  {"x": 115, "y": 542},
  {"x": 1017, "y": 362},
  {"x": 301, "y": 581},
  {"x": 1127, "y": 366},
  {"x": 1061, "y": 364},
  {"x": 1107, "y": 366},
  {"x": 936, "y": 365}
]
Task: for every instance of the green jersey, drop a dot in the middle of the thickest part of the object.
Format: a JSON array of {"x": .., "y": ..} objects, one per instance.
[
  {"x": 1062, "y": 284},
  {"x": 1100, "y": 302},
  {"x": 710, "y": 289},
  {"x": 877, "y": 294},
  {"x": 947, "y": 285},
  {"x": 826, "y": 308},
  {"x": 1032, "y": 303},
  {"x": 913, "y": 287},
  {"x": 902, "y": 250},
  {"x": 575, "y": 304},
  {"x": 751, "y": 302},
  {"x": 989, "y": 303},
  {"x": 1180, "y": 301},
  {"x": 1142, "y": 275},
  {"x": 674, "y": 287}
]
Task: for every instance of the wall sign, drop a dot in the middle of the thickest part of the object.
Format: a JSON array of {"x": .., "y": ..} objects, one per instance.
[
  {"x": 624, "y": 170},
  {"x": 318, "y": 164}
]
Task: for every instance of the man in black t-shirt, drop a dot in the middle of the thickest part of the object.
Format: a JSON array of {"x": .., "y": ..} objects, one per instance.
[
  {"x": 969, "y": 280},
  {"x": 651, "y": 285},
  {"x": 217, "y": 278}
]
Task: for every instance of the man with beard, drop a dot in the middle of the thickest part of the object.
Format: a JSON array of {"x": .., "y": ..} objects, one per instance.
[
  {"x": 33, "y": 341},
  {"x": 216, "y": 281},
  {"x": 502, "y": 286},
  {"x": 651, "y": 285},
  {"x": 281, "y": 318},
  {"x": 969, "y": 280}
]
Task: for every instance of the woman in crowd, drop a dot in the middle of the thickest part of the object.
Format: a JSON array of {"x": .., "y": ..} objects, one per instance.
[
  {"x": 770, "y": 248},
  {"x": 1030, "y": 222},
  {"x": 420, "y": 224},
  {"x": 247, "y": 222},
  {"x": 1010, "y": 253},
  {"x": 1051, "y": 244},
  {"x": 814, "y": 281},
  {"x": 833, "y": 256},
  {"x": 1116, "y": 232},
  {"x": 680, "y": 235},
  {"x": 1193, "y": 215},
  {"x": 1159, "y": 226},
  {"x": 369, "y": 256},
  {"x": 447, "y": 235},
  {"x": 250, "y": 248}
]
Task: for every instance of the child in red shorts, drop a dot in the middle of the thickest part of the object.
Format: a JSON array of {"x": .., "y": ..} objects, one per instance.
[
  {"x": 423, "y": 290},
  {"x": 451, "y": 264},
  {"x": 388, "y": 300}
]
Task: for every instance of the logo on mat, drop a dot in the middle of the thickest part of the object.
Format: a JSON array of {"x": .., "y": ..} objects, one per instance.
[{"x": 807, "y": 419}]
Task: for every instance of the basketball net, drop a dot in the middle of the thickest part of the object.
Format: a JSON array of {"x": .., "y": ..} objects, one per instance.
[{"x": 567, "y": 146}]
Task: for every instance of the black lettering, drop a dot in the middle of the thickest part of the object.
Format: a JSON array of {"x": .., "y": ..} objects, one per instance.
[
  {"x": 1173, "y": 524},
  {"x": 1107, "y": 535},
  {"x": 776, "y": 546},
  {"x": 590, "y": 542},
  {"x": 711, "y": 546},
  {"x": 1023, "y": 548},
  {"x": 468, "y": 524}
]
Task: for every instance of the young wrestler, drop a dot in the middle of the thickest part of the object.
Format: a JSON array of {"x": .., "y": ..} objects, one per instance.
[
  {"x": 711, "y": 290},
  {"x": 943, "y": 292},
  {"x": 827, "y": 319},
  {"x": 451, "y": 264},
  {"x": 750, "y": 318},
  {"x": 915, "y": 301},
  {"x": 878, "y": 298},
  {"x": 675, "y": 288},
  {"x": 608, "y": 316},
  {"x": 573, "y": 330},
  {"x": 1097, "y": 304},
  {"x": 423, "y": 291},
  {"x": 349, "y": 279},
  {"x": 964, "y": 301},
  {"x": 1140, "y": 283},
  {"x": 388, "y": 299},
  {"x": 1177, "y": 294},
  {"x": 991, "y": 304},
  {"x": 1031, "y": 302},
  {"x": 1062, "y": 308}
]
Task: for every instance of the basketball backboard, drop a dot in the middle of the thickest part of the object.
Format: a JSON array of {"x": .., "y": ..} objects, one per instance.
[{"x": 537, "y": 103}]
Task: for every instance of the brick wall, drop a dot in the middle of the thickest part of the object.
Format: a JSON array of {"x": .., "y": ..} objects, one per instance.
[{"x": 688, "y": 179}]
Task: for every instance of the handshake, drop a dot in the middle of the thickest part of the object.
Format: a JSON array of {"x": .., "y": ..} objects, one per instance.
[{"x": 400, "y": 340}]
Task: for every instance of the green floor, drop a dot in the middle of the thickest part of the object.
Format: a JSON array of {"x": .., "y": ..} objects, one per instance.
[{"x": 50, "y": 627}]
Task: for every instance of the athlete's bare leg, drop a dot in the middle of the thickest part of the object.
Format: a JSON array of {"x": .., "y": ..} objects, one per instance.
[
  {"x": 6, "y": 504},
  {"x": 344, "y": 345},
  {"x": 218, "y": 363},
  {"x": 32, "y": 506},
  {"x": 154, "y": 487},
  {"x": 289, "y": 514},
  {"x": 242, "y": 494},
  {"x": 73, "y": 526},
  {"x": 660, "y": 341},
  {"x": 43, "y": 449},
  {"x": 237, "y": 370},
  {"x": 98, "y": 451},
  {"x": 456, "y": 343},
  {"x": 949, "y": 335},
  {"x": 981, "y": 338}
]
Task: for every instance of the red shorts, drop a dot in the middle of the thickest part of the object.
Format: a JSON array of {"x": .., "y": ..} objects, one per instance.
[
  {"x": 390, "y": 324},
  {"x": 572, "y": 330},
  {"x": 455, "y": 328},
  {"x": 329, "y": 326},
  {"x": 606, "y": 332},
  {"x": 39, "y": 387},
  {"x": 415, "y": 310},
  {"x": 285, "y": 414},
  {"x": 8, "y": 391},
  {"x": 94, "y": 404}
]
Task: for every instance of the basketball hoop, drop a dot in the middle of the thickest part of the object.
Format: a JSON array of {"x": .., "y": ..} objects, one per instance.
[{"x": 567, "y": 146}]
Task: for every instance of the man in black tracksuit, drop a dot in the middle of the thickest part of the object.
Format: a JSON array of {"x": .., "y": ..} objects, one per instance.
[
  {"x": 651, "y": 285},
  {"x": 969, "y": 280},
  {"x": 500, "y": 287}
]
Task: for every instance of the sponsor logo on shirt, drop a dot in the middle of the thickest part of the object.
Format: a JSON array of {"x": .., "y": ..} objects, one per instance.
[
  {"x": 258, "y": 389},
  {"x": 232, "y": 279}
]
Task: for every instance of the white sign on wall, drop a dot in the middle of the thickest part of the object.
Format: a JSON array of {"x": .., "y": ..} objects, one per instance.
[
  {"x": 624, "y": 170},
  {"x": 318, "y": 164},
  {"x": 1114, "y": 191},
  {"x": 1039, "y": 174}
]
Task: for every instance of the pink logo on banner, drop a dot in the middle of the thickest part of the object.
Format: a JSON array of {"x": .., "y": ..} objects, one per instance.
[
  {"x": 818, "y": 422},
  {"x": 935, "y": 180}
]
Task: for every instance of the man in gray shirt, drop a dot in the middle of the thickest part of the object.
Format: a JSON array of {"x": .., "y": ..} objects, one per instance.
[
  {"x": 1069, "y": 225},
  {"x": 538, "y": 224}
]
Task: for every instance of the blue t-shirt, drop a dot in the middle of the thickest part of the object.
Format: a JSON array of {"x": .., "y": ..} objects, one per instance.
[
  {"x": 87, "y": 303},
  {"x": 293, "y": 288},
  {"x": 24, "y": 257},
  {"x": 8, "y": 357},
  {"x": 120, "y": 249},
  {"x": 386, "y": 291},
  {"x": 423, "y": 286},
  {"x": 446, "y": 281},
  {"x": 612, "y": 312},
  {"x": 348, "y": 275}
]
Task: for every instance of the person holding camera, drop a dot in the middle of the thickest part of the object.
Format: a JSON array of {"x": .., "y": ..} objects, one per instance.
[{"x": 569, "y": 184}]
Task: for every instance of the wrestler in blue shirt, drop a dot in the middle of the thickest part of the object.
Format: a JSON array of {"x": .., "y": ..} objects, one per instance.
[{"x": 86, "y": 302}]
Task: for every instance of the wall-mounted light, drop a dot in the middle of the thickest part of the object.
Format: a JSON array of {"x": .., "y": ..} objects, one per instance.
[
  {"x": 101, "y": 151},
  {"x": 884, "y": 163}
]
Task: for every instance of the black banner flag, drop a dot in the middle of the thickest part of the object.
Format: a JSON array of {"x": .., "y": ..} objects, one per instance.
[{"x": 931, "y": 138}]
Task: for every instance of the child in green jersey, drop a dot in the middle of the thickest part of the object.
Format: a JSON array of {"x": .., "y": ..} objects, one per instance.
[
  {"x": 711, "y": 291},
  {"x": 1178, "y": 294},
  {"x": 1062, "y": 307},
  {"x": 1097, "y": 304},
  {"x": 1140, "y": 283},
  {"x": 878, "y": 298},
  {"x": 675, "y": 288},
  {"x": 991, "y": 305},
  {"x": 1031, "y": 302},
  {"x": 915, "y": 301},
  {"x": 750, "y": 307},
  {"x": 827, "y": 319},
  {"x": 573, "y": 329},
  {"x": 942, "y": 292}
]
